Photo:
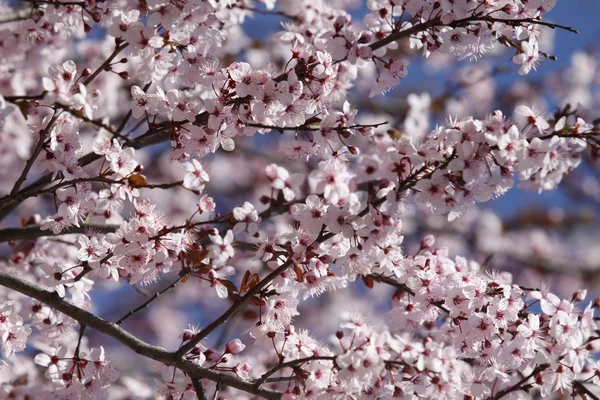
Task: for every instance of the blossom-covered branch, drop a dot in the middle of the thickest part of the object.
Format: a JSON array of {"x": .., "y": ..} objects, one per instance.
[
  {"x": 114, "y": 331},
  {"x": 236, "y": 242}
]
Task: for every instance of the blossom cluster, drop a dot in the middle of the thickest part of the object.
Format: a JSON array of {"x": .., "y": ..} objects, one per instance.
[
  {"x": 328, "y": 213},
  {"x": 90, "y": 373}
]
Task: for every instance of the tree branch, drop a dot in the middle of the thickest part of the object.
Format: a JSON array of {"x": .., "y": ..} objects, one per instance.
[
  {"x": 199, "y": 388},
  {"x": 35, "y": 153},
  {"x": 105, "y": 64},
  {"x": 394, "y": 37},
  {"x": 26, "y": 194},
  {"x": 35, "y": 231},
  {"x": 292, "y": 363},
  {"x": 18, "y": 15},
  {"x": 303, "y": 128},
  {"x": 151, "y": 299},
  {"x": 78, "y": 114},
  {"x": 461, "y": 22},
  {"x": 232, "y": 310},
  {"x": 517, "y": 22},
  {"x": 139, "y": 346},
  {"x": 518, "y": 385},
  {"x": 56, "y": 3},
  {"x": 402, "y": 286},
  {"x": 584, "y": 390}
]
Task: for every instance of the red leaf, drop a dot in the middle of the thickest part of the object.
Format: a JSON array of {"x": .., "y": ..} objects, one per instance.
[
  {"x": 244, "y": 283},
  {"x": 368, "y": 281},
  {"x": 299, "y": 273}
]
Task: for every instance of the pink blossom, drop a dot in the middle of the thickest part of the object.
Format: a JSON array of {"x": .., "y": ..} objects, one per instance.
[
  {"x": 529, "y": 57},
  {"x": 196, "y": 177},
  {"x": 248, "y": 215},
  {"x": 234, "y": 347},
  {"x": 222, "y": 250},
  {"x": 309, "y": 251}
]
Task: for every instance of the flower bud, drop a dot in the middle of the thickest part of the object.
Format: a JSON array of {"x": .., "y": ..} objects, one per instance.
[
  {"x": 187, "y": 334},
  {"x": 579, "y": 295},
  {"x": 366, "y": 131},
  {"x": 365, "y": 37},
  {"x": 234, "y": 347},
  {"x": 96, "y": 16},
  {"x": 265, "y": 199},
  {"x": 427, "y": 242}
]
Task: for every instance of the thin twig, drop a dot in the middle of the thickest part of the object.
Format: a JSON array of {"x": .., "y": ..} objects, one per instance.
[
  {"x": 81, "y": 331},
  {"x": 56, "y": 3},
  {"x": 461, "y": 22},
  {"x": 15, "y": 99},
  {"x": 79, "y": 114},
  {"x": 232, "y": 310},
  {"x": 394, "y": 37},
  {"x": 130, "y": 112},
  {"x": 292, "y": 363},
  {"x": 35, "y": 153},
  {"x": 517, "y": 22},
  {"x": 105, "y": 64},
  {"x": 34, "y": 231},
  {"x": 402, "y": 286},
  {"x": 519, "y": 384},
  {"x": 161, "y": 185},
  {"x": 308, "y": 128},
  {"x": 151, "y": 299}
]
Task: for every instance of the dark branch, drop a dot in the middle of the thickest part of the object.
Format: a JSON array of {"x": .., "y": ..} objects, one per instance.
[
  {"x": 151, "y": 299},
  {"x": 461, "y": 22},
  {"x": 580, "y": 387},
  {"x": 232, "y": 310},
  {"x": 199, "y": 388},
  {"x": 105, "y": 64},
  {"x": 519, "y": 384},
  {"x": 139, "y": 346},
  {"x": 292, "y": 363},
  {"x": 34, "y": 154},
  {"x": 309, "y": 128},
  {"x": 35, "y": 231}
]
